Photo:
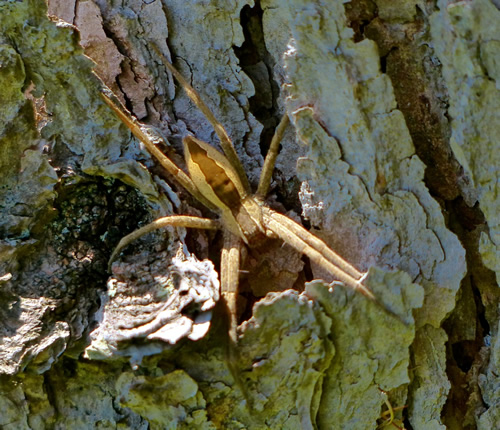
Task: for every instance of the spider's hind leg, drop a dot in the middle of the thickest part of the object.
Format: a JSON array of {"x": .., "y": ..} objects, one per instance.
[
  {"x": 230, "y": 268},
  {"x": 319, "y": 252},
  {"x": 230, "y": 265},
  {"x": 306, "y": 242}
]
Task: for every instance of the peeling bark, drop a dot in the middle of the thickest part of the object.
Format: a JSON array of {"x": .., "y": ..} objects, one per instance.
[{"x": 392, "y": 160}]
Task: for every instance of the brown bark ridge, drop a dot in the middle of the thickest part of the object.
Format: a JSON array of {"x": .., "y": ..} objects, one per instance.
[{"x": 392, "y": 159}]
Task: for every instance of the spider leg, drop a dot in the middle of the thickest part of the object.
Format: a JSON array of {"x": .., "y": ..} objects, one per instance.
[
  {"x": 230, "y": 273},
  {"x": 269, "y": 162},
  {"x": 302, "y": 233},
  {"x": 172, "y": 221},
  {"x": 317, "y": 244},
  {"x": 230, "y": 265},
  {"x": 139, "y": 131},
  {"x": 317, "y": 250},
  {"x": 225, "y": 141}
]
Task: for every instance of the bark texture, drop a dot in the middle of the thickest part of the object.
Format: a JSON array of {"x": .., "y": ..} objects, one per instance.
[{"x": 392, "y": 158}]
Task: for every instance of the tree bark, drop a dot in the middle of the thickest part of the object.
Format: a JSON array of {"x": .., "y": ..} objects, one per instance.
[{"x": 391, "y": 158}]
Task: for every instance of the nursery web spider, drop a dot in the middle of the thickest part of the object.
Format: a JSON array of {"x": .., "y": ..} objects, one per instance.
[{"x": 220, "y": 183}]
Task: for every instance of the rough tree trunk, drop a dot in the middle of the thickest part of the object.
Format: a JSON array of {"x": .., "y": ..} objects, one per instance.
[{"x": 392, "y": 158}]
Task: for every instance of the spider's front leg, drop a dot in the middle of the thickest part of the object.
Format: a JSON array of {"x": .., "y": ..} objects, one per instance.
[{"x": 168, "y": 221}]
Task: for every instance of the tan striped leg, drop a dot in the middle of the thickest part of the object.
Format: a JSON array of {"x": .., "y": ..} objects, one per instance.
[
  {"x": 168, "y": 221},
  {"x": 230, "y": 267}
]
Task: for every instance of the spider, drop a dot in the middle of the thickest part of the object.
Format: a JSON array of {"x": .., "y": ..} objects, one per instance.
[{"x": 220, "y": 183}]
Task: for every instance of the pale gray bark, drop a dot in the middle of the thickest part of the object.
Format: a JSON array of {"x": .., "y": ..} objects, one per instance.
[{"x": 392, "y": 157}]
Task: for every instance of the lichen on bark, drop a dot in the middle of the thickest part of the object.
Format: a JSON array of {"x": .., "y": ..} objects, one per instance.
[{"x": 370, "y": 117}]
